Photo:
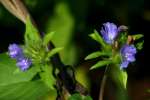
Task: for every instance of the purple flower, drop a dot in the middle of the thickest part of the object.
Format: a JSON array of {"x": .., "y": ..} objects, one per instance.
[
  {"x": 15, "y": 51},
  {"x": 24, "y": 64},
  {"x": 109, "y": 32},
  {"x": 128, "y": 55}
]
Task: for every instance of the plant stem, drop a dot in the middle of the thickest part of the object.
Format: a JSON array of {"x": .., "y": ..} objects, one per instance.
[{"x": 102, "y": 85}]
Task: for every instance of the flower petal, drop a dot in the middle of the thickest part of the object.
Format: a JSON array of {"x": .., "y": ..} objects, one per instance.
[{"x": 109, "y": 32}]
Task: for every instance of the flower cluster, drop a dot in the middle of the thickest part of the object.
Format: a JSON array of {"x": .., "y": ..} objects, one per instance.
[
  {"x": 16, "y": 52},
  {"x": 109, "y": 33}
]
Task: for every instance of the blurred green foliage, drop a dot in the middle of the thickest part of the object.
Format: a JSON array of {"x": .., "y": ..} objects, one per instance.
[{"x": 62, "y": 23}]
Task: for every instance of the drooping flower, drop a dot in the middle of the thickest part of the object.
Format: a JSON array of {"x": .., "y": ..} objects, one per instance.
[
  {"x": 109, "y": 32},
  {"x": 128, "y": 55},
  {"x": 24, "y": 64},
  {"x": 15, "y": 51}
]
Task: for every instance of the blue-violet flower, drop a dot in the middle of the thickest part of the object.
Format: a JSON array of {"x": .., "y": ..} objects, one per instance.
[
  {"x": 128, "y": 55},
  {"x": 15, "y": 51},
  {"x": 109, "y": 32},
  {"x": 24, "y": 64}
]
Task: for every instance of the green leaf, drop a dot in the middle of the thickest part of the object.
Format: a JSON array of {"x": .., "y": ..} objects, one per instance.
[
  {"x": 119, "y": 76},
  {"x": 9, "y": 73},
  {"x": 137, "y": 36},
  {"x": 123, "y": 78},
  {"x": 62, "y": 23},
  {"x": 87, "y": 98},
  {"x": 75, "y": 96},
  {"x": 47, "y": 77},
  {"x": 96, "y": 54},
  {"x": 33, "y": 90},
  {"x": 101, "y": 64},
  {"x": 32, "y": 35},
  {"x": 53, "y": 52},
  {"x": 97, "y": 38},
  {"x": 16, "y": 71},
  {"x": 139, "y": 45},
  {"x": 48, "y": 37}
]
